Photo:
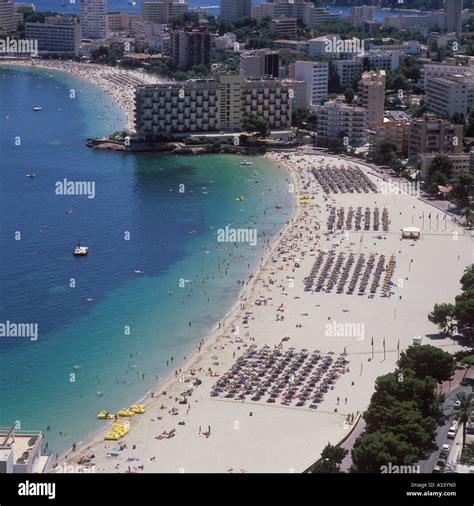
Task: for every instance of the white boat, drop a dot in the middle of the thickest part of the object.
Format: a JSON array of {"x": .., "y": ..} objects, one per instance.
[
  {"x": 37, "y": 108},
  {"x": 30, "y": 174},
  {"x": 80, "y": 251},
  {"x": 246, "y": 163}
]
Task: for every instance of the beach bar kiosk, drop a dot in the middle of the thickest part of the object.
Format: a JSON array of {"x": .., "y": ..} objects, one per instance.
[{"x": 411, "y": 233}]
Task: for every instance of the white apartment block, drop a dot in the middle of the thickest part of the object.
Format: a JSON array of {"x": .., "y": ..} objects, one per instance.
[
  {"x": 444, "y": 70},
  {"x": 446, "y": 96},
  {"x": 408, "y": 47},
  {"x": 316, "y": 75},
  {"x": 424, "y": 21},
  {"x": 56, "y": 34},
  {"x": 337, "y": 119},
  {"x": 347, "y": 71},
  {"x": 93, "y": 17},
  {"x": 297, "y": 93},
  {"x": 383, "y": 60}
]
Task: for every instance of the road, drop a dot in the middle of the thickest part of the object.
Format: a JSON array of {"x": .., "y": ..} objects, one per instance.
[{"x": 426, "y": 466}]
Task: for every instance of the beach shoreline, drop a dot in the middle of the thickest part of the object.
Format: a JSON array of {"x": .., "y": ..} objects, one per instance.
[
  {"x": 218, "y": 327},
  {"x": 117, "y": 82},
  {"x": 221, "y": 341}
]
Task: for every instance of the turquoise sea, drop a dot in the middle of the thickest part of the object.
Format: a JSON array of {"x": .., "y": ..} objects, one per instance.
[{"x": 103, "y": 326}]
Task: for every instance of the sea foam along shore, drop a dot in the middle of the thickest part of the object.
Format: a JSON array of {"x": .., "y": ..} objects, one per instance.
[
  {"x": 261, "y": 437},
  {"x": 117, "y": 82}
]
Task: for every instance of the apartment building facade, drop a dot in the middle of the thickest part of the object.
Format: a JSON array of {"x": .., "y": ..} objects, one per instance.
[
  {"x": 210, "y": 105},
  {"x": 372, "y": 96},
  {"x": 339, "y": 120},
  {"x": 433, "y": 135},
  {"x": 259, "y": 63},
  {"x": 190, "y": 47},
  {"x": 446, "y": 96},
  {"x": 161, "y": 11},
  {"x": 60, "y": 34},
  {"x": 316, "y": 75},
  {"x": 232, "y": 10},
  {"x": 93, "y": 17}
]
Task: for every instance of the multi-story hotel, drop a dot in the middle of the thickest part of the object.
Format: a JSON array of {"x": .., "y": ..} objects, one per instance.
[
  {"x": 161, "y": 11},
  {"x": 316, "y": 75},
  {"x": 454, "y": 16},
  {"x": 347, "y": 71},
  {"x": 372, "y": 96},
  {"x": 259, "y": 63},
  {"x": 93, "y": 16},
  {"x": 433, "y": 135},
  {"x": 338, "y": 120},
  {"x": 60, "y": 34},
  {"x": 7, "y": 16},
  {"x": 284, "y": 26},
  {"x": 446, "y": 96},
  {"x": 303, "y": 10},
  {"x": 358, "y": 15},
  {"x": 210, "y": 105},
  {"x": 190, "y": 47},
  {"x": 396, "y": 128},
  {"x": 232, "y": 10},
  {"x": 120, "y": 21}
]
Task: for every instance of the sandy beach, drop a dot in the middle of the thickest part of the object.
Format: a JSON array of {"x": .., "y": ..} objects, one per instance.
[
  {"x": 186, "y": 429},
  {"x": 119, "y": 83}
]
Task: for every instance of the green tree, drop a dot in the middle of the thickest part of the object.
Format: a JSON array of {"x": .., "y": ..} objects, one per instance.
[
  {"x": 256, "y": 124},
  {"x": 349, "y": 95},
  {"x": 462, "y": 189},
  {"x": 331, "y": 458},
  {"x": 404, "y": 385},
  {"x": 442, "y": 315},
  {"x": 374, "y": 450},
  {"x": 404, "y": 419},
  {"x": 428, "y": 360},
  {"x": 467, "y": 280}
]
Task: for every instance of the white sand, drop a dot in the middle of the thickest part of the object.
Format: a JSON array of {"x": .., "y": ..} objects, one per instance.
[
  {"x": 289, "y": 439},
  {"x": 119, "y": 83}
]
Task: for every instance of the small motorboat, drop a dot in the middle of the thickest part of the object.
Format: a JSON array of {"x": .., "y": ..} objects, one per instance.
[
  {"x": 81, "y": 251},
  {"x": 239, "y": 199},
  {"x": 37, "y": 108},
  {"x": 30, "y": 174},
  {"x": 246, "y": 163}
]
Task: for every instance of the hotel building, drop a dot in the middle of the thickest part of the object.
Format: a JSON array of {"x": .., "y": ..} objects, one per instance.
[
  {"x": 347, "y": 71},
  {"x": 336, "y": 120},
  {"x": 433, "y": 135},
  {"x": 446, "y": 96},
  {"x": 232, "y": 10},
  {"x": 7, "y": 16},
  {"x": 358, "y": 15},
  {"x": 93, "y": 16},
  {"x": 259, "y": 63},
  {"x": 284, "y": 26},
  {"x": 161, "y": 11},
  {"x": 210, "y": 105},
  {"x": 58, "y": 34},
  {"x": 316, "y": 75},
  {"x": 190, "y": 47},
  {"x": 454, "y": 16},
  {"x": 372, "y": 96}
]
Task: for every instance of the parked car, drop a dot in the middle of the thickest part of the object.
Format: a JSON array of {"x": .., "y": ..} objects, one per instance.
[
  {"x": 441, "y": 462},
  {"x": 470, "y": 427},
  {"x": 445, "y": 451},
  {"x": 436, "y": 469}
]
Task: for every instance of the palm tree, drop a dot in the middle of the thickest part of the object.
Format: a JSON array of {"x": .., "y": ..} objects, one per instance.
[{"x": 463, "y": 412}]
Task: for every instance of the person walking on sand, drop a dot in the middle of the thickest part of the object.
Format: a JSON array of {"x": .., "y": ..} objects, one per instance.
[{"x": 199, "y": 433}]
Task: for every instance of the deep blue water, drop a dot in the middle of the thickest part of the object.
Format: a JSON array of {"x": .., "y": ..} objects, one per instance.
[{"x": 172, "y": 237}]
